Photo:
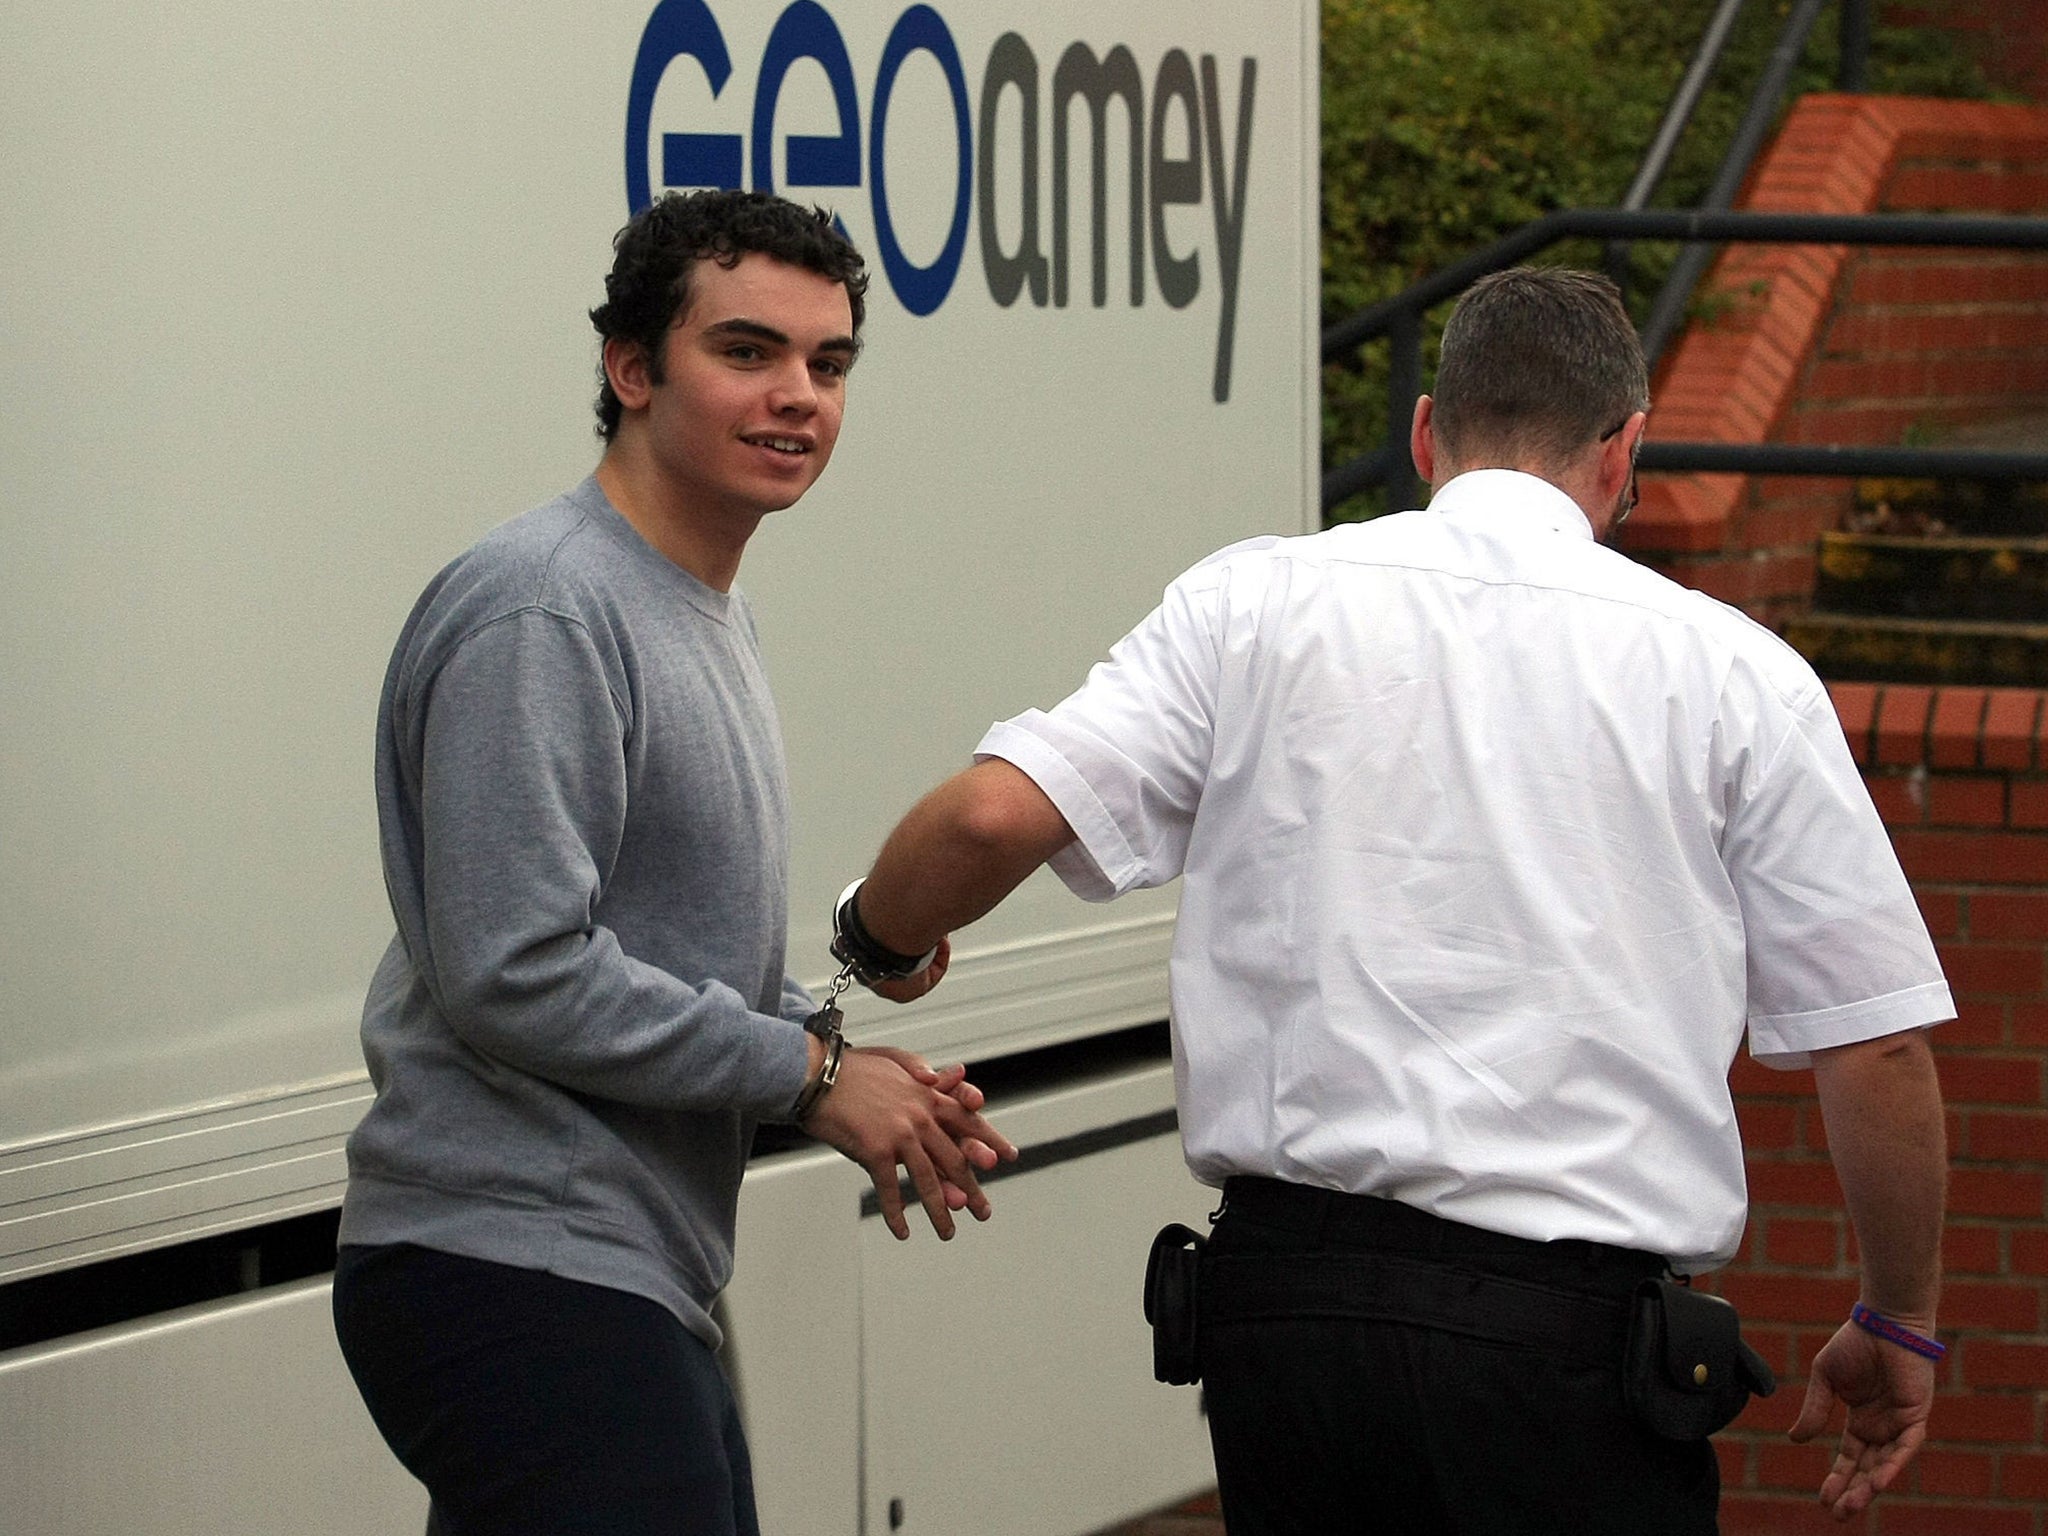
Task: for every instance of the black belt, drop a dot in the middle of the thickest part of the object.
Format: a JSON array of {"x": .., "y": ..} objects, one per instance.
[
  {"x": 1380, "y": 1261},
  {"x": 1375, "y": 1288}
]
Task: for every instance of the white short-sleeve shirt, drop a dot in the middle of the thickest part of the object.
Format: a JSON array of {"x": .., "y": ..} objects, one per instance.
[{"x": 1494, "y": 842}]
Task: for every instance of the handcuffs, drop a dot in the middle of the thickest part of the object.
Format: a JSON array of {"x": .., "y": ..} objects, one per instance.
[{"x": 862, "y": 958}]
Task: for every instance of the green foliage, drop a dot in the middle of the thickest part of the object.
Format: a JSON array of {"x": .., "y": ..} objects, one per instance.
[{"x": 1448, "y": 124}]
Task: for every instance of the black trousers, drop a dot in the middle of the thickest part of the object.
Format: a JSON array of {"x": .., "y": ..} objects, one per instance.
[
  {"x": 531, "y": 1405},
  {"x": 1500, "y": 1415}
]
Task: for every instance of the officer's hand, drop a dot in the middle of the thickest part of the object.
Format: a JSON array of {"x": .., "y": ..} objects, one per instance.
[
  {"x": 908, "y": 989},
  {"x": 1889, "y": 1392}
]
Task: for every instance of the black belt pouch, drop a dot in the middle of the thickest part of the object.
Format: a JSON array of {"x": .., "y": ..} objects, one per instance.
[
  {"x": 1172, "y": 1293},
  {"x": 1687, "y": 1371}
]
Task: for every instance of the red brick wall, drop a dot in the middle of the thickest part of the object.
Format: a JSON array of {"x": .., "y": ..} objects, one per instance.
[
  {"x": 2009, "y": 38},
  {"x": 1836, "y": 344},
  {"x": 1961, "y": 778}
]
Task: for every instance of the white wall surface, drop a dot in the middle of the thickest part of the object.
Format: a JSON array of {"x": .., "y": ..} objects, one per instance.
[
  {"x": 997, "y": 1384},
  {"x": 294, "y": 312}
]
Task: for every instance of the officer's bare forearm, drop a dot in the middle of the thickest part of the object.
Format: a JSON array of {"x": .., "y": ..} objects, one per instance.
[
  {"x": 959, "y": 852},
  {"x": 1882, "y": 1103}
]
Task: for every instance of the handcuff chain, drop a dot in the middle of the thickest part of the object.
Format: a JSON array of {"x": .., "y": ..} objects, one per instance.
[{"x": 839, "y": 985}]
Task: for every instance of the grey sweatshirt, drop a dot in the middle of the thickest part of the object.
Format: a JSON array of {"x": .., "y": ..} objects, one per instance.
[{"x": 584, "y": 825}]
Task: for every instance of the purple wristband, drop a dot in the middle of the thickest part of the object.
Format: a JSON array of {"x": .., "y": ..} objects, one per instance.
[{"x": 1896, "y": 1333}]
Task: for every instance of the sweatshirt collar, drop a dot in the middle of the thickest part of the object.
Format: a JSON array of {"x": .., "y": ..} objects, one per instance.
[{"x": 708, "y": 600}]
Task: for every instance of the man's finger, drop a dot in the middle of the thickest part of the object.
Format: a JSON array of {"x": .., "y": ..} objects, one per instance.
[
  {"x": 1888, "y": 1460},
  {"x": 963, "y": 1125},
  {"x": 889, "y": 1195},
  {"x": 1841, "y": 1478},
  {"x": 925, "y": 1179},
  {"x": 1814, "y": 1411},
  {"x": 955, "y": 1166}
]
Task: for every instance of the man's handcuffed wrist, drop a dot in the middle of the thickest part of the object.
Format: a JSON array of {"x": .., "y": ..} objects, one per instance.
[
  {"x": 1870, "y": 1320},
  {"x": 819, "y": 1086},
  {"x": 853, "y": 945}
]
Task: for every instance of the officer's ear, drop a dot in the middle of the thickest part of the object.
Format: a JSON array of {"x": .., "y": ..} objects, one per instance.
[
  {"x": 1618, "y": 450},
  {"x": 1422, "y": 440}
]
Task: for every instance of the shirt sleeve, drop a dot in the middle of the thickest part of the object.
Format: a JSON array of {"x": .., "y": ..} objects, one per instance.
[
  {"x": 1126, "y": 755},
  {"x": 523, "y": 799},
  {"x": 1837, "y": 949}
]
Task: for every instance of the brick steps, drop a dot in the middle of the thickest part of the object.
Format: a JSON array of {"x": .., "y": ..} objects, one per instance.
[
  {"x": 2001, "y": 580},
  {"x": 1858, "y": 345},
  {"x": 1936, "y": 582},
  {"x": 1961, "y": 508},
  {"x": 1865, "y": 648}
]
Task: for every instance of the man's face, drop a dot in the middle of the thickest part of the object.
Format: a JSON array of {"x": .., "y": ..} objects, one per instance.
[{"x": 753, "y": 386}]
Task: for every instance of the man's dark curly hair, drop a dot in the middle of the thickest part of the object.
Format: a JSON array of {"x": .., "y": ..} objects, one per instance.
[{"x": 648, "y": 287}]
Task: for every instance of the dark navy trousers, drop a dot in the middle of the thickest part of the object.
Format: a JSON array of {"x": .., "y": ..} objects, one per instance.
[
  {"x": 531, "y": 1405},
  {"x": 1329, "y": 1420}
]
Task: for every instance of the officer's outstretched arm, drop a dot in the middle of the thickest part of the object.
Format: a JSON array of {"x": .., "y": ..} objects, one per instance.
[
  {"x": 960, "y": 851},
  {"x": 1882, "y": 1104}
]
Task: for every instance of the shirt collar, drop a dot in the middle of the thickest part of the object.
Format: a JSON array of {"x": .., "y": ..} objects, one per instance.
[{"x": 1511, "y": 501}]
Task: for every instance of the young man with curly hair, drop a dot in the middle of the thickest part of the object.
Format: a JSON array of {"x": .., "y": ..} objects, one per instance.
[{"x": 585, "y": 1010}]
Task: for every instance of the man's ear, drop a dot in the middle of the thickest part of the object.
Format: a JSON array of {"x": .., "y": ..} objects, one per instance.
[
  {"x": 1422, "y": 440},
  {"x": 1618, "y": 456},
  {"x": 625, "y": 364}
]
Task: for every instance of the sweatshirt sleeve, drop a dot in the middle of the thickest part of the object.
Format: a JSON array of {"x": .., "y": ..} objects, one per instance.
[
  {"x": 523, "y": 797},
  {"x": 797, "y": 1003}
]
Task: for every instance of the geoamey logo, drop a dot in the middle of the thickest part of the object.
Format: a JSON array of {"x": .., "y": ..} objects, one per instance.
[{"x": 1179, "y": 152}]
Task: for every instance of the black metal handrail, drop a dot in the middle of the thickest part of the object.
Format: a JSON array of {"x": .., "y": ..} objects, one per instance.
[
  {"x": 1399, "y": 319},
  {"x": 1844, "y": 459},
  {"x": 1692, "y": 85},
  {"x": 1852, "y": 68},
  {"x": 1667, "y": 311}
]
